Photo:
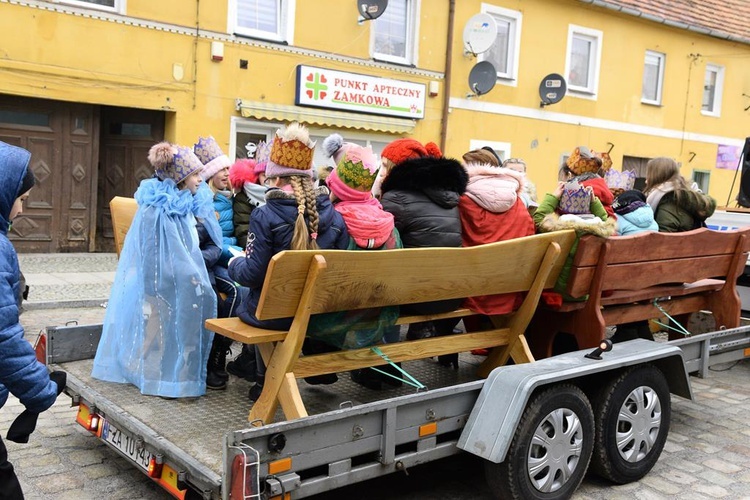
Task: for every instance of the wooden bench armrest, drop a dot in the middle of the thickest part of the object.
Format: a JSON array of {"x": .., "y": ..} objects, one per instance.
[{"x": 236, "y": 329}]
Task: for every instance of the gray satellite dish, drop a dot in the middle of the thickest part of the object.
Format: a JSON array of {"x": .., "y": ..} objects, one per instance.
[
  {"x": 482, "y": 77},
  {"x": 552, "y": 89},
  {"x": 480, "y": 33},
  {"x": 371, "y": 9}
]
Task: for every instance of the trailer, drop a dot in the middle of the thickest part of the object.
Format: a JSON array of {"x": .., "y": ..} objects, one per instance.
[{"x": 538, "y": 426}]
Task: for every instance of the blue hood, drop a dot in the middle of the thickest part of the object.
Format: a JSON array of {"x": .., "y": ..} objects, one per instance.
[{"x": 13, "y": 164}]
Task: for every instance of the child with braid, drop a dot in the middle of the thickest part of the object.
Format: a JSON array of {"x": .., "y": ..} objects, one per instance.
[{"x": 296, "y": 216}]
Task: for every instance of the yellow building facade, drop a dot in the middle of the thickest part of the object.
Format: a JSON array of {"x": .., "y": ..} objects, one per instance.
[{"x": 89, "y": 85}]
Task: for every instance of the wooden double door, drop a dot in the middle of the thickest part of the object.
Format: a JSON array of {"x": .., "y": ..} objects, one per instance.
[{"x": 81, "y": 155}]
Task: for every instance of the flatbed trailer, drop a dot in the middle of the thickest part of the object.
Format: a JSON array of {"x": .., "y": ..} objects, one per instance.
[{"x": 205, "y": 448}]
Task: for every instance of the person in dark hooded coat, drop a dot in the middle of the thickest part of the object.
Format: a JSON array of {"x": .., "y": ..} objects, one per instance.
[
  {"x": 422, "y": 189},
  {"x": 20, "y": 372}
]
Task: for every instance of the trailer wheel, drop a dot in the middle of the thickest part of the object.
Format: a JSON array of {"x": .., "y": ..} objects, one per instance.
[
  {"x": 632, "y": 422},
  {"x": 551, "y": 448}
]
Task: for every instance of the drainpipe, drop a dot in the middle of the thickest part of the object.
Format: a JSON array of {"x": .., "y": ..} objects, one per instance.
[{"x": 448, "y": 64}]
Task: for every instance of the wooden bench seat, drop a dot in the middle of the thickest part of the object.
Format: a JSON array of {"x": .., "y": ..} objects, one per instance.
[
  {"x": 299, "y": 284},
  {"x": 623, "y": 276}
]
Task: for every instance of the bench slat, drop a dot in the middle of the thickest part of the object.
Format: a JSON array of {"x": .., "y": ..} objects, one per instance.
[
  {"x": 235, "y": 329},
  {"x": 629, "y": 296}
]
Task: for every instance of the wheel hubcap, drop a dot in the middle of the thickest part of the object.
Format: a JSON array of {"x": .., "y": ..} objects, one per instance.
[
  {"x": 555, "y": 450},
  {"x": 638, "y": 424}
]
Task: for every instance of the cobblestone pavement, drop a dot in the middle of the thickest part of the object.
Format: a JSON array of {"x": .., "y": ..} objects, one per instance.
[{"x": 706, "y": 456}]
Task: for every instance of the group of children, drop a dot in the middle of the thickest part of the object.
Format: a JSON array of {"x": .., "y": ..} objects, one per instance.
[{"x": 205, "y": 233}]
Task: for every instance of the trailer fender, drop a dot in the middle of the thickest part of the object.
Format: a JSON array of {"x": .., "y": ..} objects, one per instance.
[{"x": 503, "y": 398}]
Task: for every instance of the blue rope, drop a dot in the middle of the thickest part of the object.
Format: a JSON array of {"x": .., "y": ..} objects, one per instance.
[
  {"x": 408, "y": 378},
  {"x": 680, "y": 329}
]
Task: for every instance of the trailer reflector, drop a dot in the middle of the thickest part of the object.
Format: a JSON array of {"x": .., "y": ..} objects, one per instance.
[
  {"x": 155, "y": 466},
  {"x": 279, "y": 466},
  {"x": 746, "y": 352},
  {"x": 89, "y": 419},
  {"x": 427, "y": 429}
]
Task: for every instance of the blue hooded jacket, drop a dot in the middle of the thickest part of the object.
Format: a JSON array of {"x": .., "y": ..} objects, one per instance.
[{"x": 20, "y": 372}]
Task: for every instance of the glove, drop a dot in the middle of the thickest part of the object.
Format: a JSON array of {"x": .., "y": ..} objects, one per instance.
[{"x": 25, "y": 423}]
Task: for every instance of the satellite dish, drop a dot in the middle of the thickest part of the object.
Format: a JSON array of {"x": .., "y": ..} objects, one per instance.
[
  {"x": 482, "y": 77},
  {"x": 552, "y": 89},
  {"x": 480, "y": 33},
  {"x": 371, "y": 9}
]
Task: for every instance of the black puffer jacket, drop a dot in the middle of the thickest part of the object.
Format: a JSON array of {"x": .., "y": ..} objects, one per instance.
[{"x": 422, "y": 194}]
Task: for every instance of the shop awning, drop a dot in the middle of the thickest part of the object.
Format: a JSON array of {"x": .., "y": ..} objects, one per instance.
[{"x": 325, "y": 117}]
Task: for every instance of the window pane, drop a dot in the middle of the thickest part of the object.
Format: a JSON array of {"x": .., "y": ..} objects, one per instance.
[
  {"x": 391, "y": 30},
  {"x": 651, "y": 79},
  {"x": 106, "y": 3},
  {"x": 260, "y": 15},
  {"x": 24, "y": 118},
  {"x": 498, "y": 53},
  {"x": 709, "y": 90},
  {"x": 580, "y": 58},
  {"x": 130, "y": 129}
]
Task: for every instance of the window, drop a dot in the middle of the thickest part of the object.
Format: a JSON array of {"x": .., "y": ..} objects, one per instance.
[
  {"x": 265, "y": 19},
  {"x": 393, "y": 33},
  {"x": 110, "y": 5},
  {"x": 583, "y": 61},
  {"x": 653, "y": 77},
  {"x": 504, "y": 52},
  {"x": 638, "y": 164},
  {"x": 501, "y": 148},
  {"x": 701, "y": 177},
  {"x": 712, "y": 88}
]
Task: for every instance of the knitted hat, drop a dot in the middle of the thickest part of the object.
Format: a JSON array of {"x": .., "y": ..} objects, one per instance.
[
  {"x": 262, "y": 154},
  {"x": 629, "y": 201},
  {"x": 291, "y": 152},
  {"x": 242, "y": 171},
  {"x": 401, "y": 150},
  {"x": 582, "y": 160},
  {"x": 173, "y": 162},
  {"x": 356, "y": 169},
  {"x": 210, "y": 154}
]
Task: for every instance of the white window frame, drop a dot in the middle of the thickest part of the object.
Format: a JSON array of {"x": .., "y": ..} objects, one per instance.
[
  {"x": 718, "y": 91},
  {"x": 515, "y": 19},
  {"x": 413, "y": 9},
  {"x": 119, "y": 7},
  {"x": 662, "y": 59},
  {"x": 285, "y": 34},
  {"x": 501, "y": 148},
  {"x": 591, "y": 90}
]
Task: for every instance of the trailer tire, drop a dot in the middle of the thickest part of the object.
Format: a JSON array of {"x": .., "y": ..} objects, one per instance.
[
  {"x": 560, "y": 414},
  {"x": 633, "y": 412}
]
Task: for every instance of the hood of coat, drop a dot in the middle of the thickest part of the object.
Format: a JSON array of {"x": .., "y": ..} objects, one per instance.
[
  {"x": 283, "y": 204},
  {"x": 443, "y": 180},
  {"x": 689, "y": 201},
  {"x": 642, "y": 217},
  {"x": 13, "y": 164},
  {"x": 495, "y": 189},
  {"x": 597, "y": 227}
]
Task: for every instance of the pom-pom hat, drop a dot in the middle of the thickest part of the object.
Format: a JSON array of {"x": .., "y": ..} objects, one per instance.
[
  {"x": 356, "y": 169},
  {"x": 241, "y": 172},
  {"x": 210, "y": 154},
  {"x": 291, "y": 152},
  {"x": 171, "y": 161}
]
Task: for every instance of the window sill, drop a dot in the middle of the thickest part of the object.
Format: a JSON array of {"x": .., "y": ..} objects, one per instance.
[
  {"x": 403, "y": 63},
  {"x": 711, "y": 114},
  {"x": 582, "y": 94},
  {"x": 655, "y": 104},
  {"x": 262, "y": 38}
]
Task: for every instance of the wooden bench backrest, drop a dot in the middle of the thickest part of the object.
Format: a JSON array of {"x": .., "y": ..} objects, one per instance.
[
  {"x": 649, "y": 259},
  {"x": 122, "y": 211},
  {"x": 362, "y": 279}
]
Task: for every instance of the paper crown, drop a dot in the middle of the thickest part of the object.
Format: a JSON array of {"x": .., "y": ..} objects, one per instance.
[
  {"x": 582, "y": 160},
  {"x": 617, "y": 180},
  {"x": 575, "y": 199},
  {"x": 263, "y": 152},
  {"x": 171, "y": 161},
  {"x": 606, "y": 160},
  {"x": 291, "y": 152},
  {"x": 211, "y": 156}
]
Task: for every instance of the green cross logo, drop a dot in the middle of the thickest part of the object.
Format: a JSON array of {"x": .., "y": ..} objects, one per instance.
[{"x": 316, "y": 86}]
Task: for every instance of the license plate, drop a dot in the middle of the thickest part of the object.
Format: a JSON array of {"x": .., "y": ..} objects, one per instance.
[{"x": 126, "y": 444}]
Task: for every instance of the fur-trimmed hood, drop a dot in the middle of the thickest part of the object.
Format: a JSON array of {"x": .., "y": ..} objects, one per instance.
[
  {"x": 597, "y": 227},
  {"x": 443, "y": 180}
]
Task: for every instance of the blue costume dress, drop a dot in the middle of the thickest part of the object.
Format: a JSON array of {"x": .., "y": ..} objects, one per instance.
[{"x": 154, "y": 335}]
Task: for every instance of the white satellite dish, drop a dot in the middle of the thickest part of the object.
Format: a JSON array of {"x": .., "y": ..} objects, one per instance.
[{"x": 480, "y": 33}]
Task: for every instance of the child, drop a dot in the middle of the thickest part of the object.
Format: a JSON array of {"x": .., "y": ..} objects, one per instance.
[
  {"x": 247, "y": 178},
  {"x": 153, "y": 334},
  {"x": 20, "y": 372},
  {"x": 588, "y": 167},
  {"x": 634, "y": 215},
  {"x": 294, "y": 217},
  {"x": 370, "y": 228}
]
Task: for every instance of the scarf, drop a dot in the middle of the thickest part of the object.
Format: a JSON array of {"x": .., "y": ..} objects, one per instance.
[
  {"x": 654, "y": 197},
  {"x": 369, "y": 225}
]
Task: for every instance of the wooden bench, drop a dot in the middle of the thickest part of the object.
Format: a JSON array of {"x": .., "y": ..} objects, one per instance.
[
  {"x": 623, "y": 276},
  {"x": 122, "y": 211},
  {"x": 301, "y": 283}
]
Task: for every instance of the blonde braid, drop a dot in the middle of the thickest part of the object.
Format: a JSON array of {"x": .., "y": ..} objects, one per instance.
[
  {"x": 312, "y": 210},
  {"x": 301, "y": 237}
]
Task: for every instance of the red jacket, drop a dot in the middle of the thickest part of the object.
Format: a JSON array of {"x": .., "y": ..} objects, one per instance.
[{"x": 601, "y": 190}]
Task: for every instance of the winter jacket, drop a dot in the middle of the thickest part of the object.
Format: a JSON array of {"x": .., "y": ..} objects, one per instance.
[
  {"x": 675, "y": 216},
  {"x": 249, "y": 198},
  {"x": 547, "y": 220},
  {"x": 20, "y": 372},
  {"x": 225, "y": 215},
  {"x": 210, "y": 251},
  {"x": 639, "y": 220},
  {"x": 492, "y": 210},
  {"x": 272, "y": 228},
  {"x": 422, "y": 194}
]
